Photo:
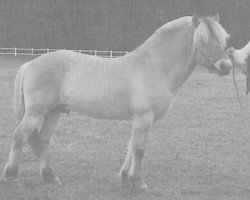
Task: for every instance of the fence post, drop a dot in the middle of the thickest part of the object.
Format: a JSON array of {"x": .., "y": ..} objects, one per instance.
[{"x": 33, "y": 51}]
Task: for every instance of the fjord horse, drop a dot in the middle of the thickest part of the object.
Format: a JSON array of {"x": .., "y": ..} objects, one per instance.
[{"x": 139, "y": 87}]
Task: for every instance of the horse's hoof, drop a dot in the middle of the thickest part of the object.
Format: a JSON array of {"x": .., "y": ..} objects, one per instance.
[
  {"x": 55, "y": 180},
  {"x": 139, "y": 187},
  {"x": 49, "y": 177},
  {"x": 134, "y": 188},
  {"x": 10, "y": 173}
]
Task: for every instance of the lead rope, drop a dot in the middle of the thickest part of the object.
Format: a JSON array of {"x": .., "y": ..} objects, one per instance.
[
  {"x": 235, "y": 83},
  {"x": 238, "y": 96}
]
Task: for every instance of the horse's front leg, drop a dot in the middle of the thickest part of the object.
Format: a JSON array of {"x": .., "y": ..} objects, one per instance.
[{"x": 132, "y": 166}]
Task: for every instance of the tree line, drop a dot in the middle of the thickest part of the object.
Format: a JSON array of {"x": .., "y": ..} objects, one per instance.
[{"x": 108, "y": 24}]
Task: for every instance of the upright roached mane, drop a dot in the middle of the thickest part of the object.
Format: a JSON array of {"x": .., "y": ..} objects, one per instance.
[
  {"x": 139, "y": 87},
  {"x": 209, "y": 28}
]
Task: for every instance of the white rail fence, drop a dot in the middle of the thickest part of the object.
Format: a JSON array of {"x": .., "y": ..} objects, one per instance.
[{"x": 35, "y": 52}]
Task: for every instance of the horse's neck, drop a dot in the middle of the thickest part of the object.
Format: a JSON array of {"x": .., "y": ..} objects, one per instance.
[
  {"x": 177, "y": 77},
  {"x": 174, "y": 57}
]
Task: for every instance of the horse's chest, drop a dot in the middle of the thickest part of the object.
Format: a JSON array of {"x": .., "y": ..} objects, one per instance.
[
  {"x": 154, "y": 97},
  {"x": 161, "y": 103}
]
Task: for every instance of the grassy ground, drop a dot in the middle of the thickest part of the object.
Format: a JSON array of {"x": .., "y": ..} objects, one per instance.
[{"x": 200, "y": 150}]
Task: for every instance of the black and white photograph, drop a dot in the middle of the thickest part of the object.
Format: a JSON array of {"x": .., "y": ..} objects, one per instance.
[{"x": 124, "y": 99}]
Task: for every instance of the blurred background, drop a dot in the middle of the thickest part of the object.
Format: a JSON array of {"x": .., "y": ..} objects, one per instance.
[{"x": 108, "y": 24}]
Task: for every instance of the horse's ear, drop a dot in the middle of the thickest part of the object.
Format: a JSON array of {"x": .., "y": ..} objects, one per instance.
[
  {"x": 196, "y": 20},
  {"x": 216, "y": 17}
]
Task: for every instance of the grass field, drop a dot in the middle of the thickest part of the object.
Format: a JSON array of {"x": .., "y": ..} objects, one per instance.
[{"x": 199, "y": 151}]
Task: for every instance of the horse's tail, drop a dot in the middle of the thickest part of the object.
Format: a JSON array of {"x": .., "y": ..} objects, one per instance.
[{"x": 19, "y": 106}]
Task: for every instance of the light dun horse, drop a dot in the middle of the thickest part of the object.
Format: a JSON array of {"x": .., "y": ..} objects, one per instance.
[{"x": 139, "y": 87}]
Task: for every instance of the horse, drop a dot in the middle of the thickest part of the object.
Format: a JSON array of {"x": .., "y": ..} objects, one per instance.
[{"x": 138, "y": 87}]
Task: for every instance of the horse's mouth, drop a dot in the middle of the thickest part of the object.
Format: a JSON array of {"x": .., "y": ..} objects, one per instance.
[
  {"x": 221, "y": 73},
  {"x": 220, "y": 70},
  {"x": 212, "y": 69}
]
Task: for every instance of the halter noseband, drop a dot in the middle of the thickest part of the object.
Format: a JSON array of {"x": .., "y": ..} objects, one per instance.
[{"x": 211, "y": 68}]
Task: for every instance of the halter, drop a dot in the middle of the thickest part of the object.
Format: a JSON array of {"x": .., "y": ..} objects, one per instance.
[{"x": 211, "y": 67}]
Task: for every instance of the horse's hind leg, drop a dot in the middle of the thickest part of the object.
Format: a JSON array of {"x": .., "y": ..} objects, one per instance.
[
  {"x": 39, "y": 143},
  {"x": 26, "y": 127}
]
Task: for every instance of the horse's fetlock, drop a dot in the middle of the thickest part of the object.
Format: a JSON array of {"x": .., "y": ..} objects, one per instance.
[
  {"x": 133, "y": 179},
  {"x": 139, "y": 151},
  {"x": 47, "y": 174},
  {"x": 10, "y": 172},
  {"x": 124, "y": 174}
]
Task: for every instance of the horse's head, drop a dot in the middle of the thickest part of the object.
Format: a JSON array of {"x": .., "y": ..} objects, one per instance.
[
  {"x": 222, "y": 67},
  {"x": 210, "y": 40},
  {"x": 233, "y": 56}
]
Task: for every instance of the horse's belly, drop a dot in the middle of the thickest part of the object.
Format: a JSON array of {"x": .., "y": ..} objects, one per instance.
[{"x": 99, "y": 104}]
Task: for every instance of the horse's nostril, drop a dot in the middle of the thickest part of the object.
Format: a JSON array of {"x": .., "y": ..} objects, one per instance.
[{"x": 224, "y": 69}]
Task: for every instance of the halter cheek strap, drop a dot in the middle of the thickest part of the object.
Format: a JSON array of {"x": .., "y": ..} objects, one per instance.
[
  {"x": 211, "y": 67},
  {"x": 206, "y": 55}
]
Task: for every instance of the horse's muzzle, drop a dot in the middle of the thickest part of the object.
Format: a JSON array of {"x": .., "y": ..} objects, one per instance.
[{"x": 221, "y": 69}]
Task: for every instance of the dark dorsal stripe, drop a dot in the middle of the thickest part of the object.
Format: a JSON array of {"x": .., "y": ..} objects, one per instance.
[{"x": 248, "y": 74}]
